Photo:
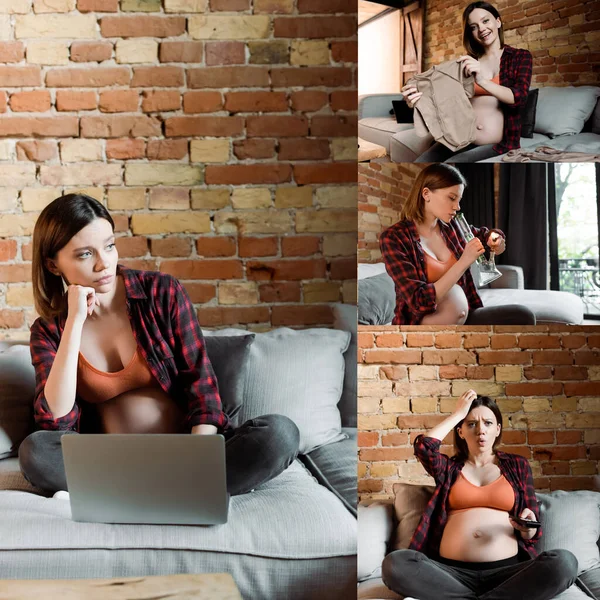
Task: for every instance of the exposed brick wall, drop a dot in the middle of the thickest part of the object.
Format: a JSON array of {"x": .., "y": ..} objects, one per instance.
[
  {"x": 545, "y": 379},
  {"x": 562, "y": 35},
  {"x": 221, "y": 134}
]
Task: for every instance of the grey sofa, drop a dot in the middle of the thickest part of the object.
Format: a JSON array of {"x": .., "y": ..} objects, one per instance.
[
  {"x": 376, "y": 298},
  {"x": 293, "y": 538},
  {"x": 566, "y": 119},
  {"x": 383, "y": 529}
]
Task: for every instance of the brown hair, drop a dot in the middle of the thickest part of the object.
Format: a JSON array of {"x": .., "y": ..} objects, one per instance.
[
  {"x": 436, "y": 176},
  {"x": 57, "y": 224},
  {"x": 461, "y": 449},
  {"x": 472, "y": 47}
]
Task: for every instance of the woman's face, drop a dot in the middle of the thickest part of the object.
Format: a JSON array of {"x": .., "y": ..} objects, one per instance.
[
  {"x": 480, "y": 430},
  {"x": 483, "y": 26},
  {"x": 89, "y": 259},
  {"x": 444, "y": 203}
]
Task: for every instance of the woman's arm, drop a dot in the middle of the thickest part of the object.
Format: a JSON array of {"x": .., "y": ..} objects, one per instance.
[
  {"x": 441, "y": 430},
  {"x": 444, "y": 284}
]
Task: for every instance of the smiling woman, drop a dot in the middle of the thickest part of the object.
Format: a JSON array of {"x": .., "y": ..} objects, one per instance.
[{"x": 98, "y": 349}]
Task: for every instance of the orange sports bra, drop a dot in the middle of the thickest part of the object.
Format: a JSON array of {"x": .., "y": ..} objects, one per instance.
[
  {"x": 97, "y": 386},
  {"x": 479, "y": 91},
  {"x": 436, "y": 268},
  {"x": 499, "y": 494}
]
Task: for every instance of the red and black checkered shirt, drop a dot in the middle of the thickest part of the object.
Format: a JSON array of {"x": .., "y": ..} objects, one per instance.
[
  {"x": 405, "y": 263},
  {"x": 445, "y": 470},
  {"x": 168, "y": 335},
  {"x": 516, "y": 67}
]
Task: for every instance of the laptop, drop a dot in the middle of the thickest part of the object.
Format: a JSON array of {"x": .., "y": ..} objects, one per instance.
[{"x": 166, "y": 479}]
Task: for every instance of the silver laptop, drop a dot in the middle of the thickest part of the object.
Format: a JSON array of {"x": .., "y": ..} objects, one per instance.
[{"x": 174, "y": 479}]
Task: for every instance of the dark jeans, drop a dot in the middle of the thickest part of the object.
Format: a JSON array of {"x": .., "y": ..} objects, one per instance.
[
  {"x": 471, "y": 153},
  {"x": 259, "y": 450},
  {"x": 508, "y": 314},
  {"x": 411, "y": 573}
]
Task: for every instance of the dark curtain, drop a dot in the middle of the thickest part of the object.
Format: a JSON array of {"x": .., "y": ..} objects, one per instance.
[
  {"x": 553, "y": 229},
  {"x": 523, "y": 217},
  {"x": 477, "y": 202}
]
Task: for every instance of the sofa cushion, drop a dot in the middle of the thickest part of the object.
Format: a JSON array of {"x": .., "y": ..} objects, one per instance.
[
  {"x": 564, "y": 110},
  {"x": 290, "y": 538},
  {"x": 591, "y": 579},
  {"x": 334, "y": 466},
  {"x": 17, "y": 388},
  {"x": 379, "y": 130},
  {"x": 344, "y": 318},
  {"x": 374, "y": 530},
  {"x": 376, "y": 300},
  {"x": 229, "y": 358},
  {"x": 298, "y": 374},
  {"x": 410, "y": 501}
]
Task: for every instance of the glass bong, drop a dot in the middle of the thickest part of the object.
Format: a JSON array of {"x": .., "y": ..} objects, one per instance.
[{"x": 486, "y": 267}]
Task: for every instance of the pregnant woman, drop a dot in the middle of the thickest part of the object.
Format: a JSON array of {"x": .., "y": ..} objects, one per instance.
[
  {"x": 117, "y": 350},
  {"x": 428, "y": 259},
  {"x": 469, "y": 544},
  {"x": 502, "y": 79}
]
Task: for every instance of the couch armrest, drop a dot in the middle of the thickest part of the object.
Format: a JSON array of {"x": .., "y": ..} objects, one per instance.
[
  {"x": 376, "y": 105},
  {"x": 512, "y": 278}
]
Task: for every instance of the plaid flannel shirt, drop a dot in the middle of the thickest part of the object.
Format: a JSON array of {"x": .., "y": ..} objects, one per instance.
[
  {"x": 165, "y": 327},
  {"x": 445, "y": 470},
  {"x": 516, "y": 66},
  {"x": 405, "y": 263}
]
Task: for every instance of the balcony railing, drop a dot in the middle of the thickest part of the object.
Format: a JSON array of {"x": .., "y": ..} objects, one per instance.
[{"x": 581, "y": 276}]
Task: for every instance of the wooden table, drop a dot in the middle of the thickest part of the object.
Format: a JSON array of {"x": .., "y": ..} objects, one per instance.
[{"x": 206, "y": 586}]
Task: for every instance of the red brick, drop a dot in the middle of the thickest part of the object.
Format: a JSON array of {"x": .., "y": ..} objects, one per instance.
[
  {"x": 171, "y": 246},
  {"x": 281, "y": 291},
  {"x": 228, "y": 77},
  {"x": 367, "y": 438},
  {"x": 541, "y": 437},
  {"x": 324, "y": 173},
  {"x": 538, "y": 373},
  {"x": 584, "y": 357},
  {"x": 115, "y": 126},
  {"x": 15, "y": 77},
  {"x": 394, "y": 439},
  {"x": 501, "y": 358},
  {"x": 216, "y": 246},
  {"x": 141, "y": 264},
  {"x": 125, "y": 149},
  {"x": 91, "y": 51},
  {"x": 559, "y": 453},
  {"x": 333, "y": 6},
  {"x": 167, "y": 149},
  {"x": 287, "y": 270},
  {"x": 512, "y": 436},
  {"x": 301, "y": 245},
  {"x": 556, "y": 468},
  {"x": 385, "y": 454},
  {"x": 452, "y": 372},
  {"x": 202, "y": 102},
  {"x": 121, "y": 223},
  {"x": 82, "y": 77},
  {"x": 568, "y": 437},
  {"x": 200, "y": 293},
  {"x": 501, "y": 342},
  {"x": 563, "y": 373},
  {"x": 583, "y": 388},
  {"x": 257, "y": 246},
  {"x": 334, "y": 125},
  {"x": 256, "y": 102},
  {"x": 8, "y": 250},
  {"x": 225, "y": 53},
  {"x": 97, "y": 5},
  {"x": 280, "y": 126},
  {"x": 301, "y": 315},
  {"x": 477, "y": 372},
  {"x": 204, "y": 126},
  {"x": 254, "y": 148},
  {"x": 40, "y": 127},
  {"x": 286, "y": 77},
  {"x": 394, "y": 356},
  {"x": 343, "y": 268},
  {"x": 160, "y": 100},
  {"x": 75, "y": 101},
  {"x": 303, "y": 149},
  {"x": 241, "y": 174},
  {"x": 307, "y": 101},
  {"x": 344, "y": 100},
  {"x": 3, "y": 102},
  {"x": 218, "y": 316},
  {"x": 142, "y": 26},
  {"x": 113, "y": 101},
  {"x": 314, "y": 27},
  {"x": 15, "y": 273},
  {"x": 11, "y": 52},
  {"x": 131, "y": 246},
  {"x": 181, "y": 52},
  {"x": 370, "y": 485},
  {"x": 11, "y": 319},
  {"x": 203, "y": 269},
  {"x": 419, "y": 421},
  {"x": 37, "y": 150},
  {"x": 344, "y": 52},
  {"x": 534, "y": 389},
  {"x": 390, "y": 340},
  {"x": 157, "y": 77}
]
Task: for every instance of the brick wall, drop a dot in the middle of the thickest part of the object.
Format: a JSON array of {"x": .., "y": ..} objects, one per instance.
[
  {"x": 221, "y": 135},
  {"x": 545, "y": 379},
  {"x": 562, "y": 35}
]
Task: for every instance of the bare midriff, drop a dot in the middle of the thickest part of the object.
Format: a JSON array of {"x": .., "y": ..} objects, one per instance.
[
  {"x": 489, "y": 119},
  {"x": 478, "y": 535},
  {"x": 143, "y": 410},
  {"x": 452, "y": 309}
]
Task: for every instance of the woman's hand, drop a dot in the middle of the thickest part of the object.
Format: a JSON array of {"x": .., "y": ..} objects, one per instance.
[
  {"x": 81, "y": 301},
  {"x": 473, "y": 250},
  {"x": 496, "y": 243},
  {"x": 526, "y": 532},
  {"x": 464, "y": 403},
  {"x": 471, "y": 66},
  {"x": 411, "y": 95}
]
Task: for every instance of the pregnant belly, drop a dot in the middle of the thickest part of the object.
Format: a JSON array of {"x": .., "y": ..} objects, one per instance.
[
  {"x": 145, "y": 410},
  {"x": 452, "y": 309},
  {"x": 478, "y": 535},
  {"x": 489, "y": 119}
]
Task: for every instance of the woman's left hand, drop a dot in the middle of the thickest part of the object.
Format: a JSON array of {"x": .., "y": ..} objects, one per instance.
[
  {"x": 526, "y": 532},
  {"x": 471, "y": 66},
  {"x": 496, "y": 243}
]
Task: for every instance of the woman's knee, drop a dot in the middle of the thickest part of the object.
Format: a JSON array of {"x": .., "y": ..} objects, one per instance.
[
  {"x": 564, "y": 564},
  {"x": 398, "y": 563},
  {"x": 285, "y": 430}
]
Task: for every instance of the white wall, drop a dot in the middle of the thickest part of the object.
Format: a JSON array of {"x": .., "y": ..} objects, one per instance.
[{"x": 379, "y": 55}]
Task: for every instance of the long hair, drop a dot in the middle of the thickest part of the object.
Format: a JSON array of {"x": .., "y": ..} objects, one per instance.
[
  {"x": 473, "y": 47},
  {"x": 461, "y": 450},
  {"x": 57, "y": 224},
  {"x": 435, "y": 177}
]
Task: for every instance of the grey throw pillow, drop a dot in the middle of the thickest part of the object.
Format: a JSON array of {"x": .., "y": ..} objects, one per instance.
[
  {"x": 564, "y": 110},
  {"x": 345, "y": 319},
  {"x": 376, "y": 300},
  {"x": 229, "y": 359},
  {"x": 17, "y": 388}
]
